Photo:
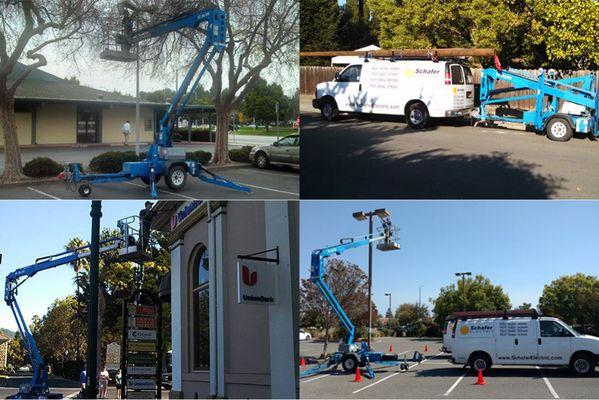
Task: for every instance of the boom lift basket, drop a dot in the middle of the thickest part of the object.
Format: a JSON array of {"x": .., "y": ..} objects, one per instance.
[
  {"x": 133, "y": 248},
  {"x": 391, "y": 241}
]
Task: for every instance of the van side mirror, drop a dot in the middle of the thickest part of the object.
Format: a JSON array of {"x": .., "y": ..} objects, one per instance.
[{"x": 337, "y": 76}]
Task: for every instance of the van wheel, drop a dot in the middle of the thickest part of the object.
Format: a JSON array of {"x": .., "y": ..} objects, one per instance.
[
  {"x": 417, "y": 115},
  {"x": 582, "y": 364},
  {"x": 329, "y": 110},
  {"x": 349, "y": 362},
  {"x": 559, "y": 129},
  {"x": 480, "y": 361}
]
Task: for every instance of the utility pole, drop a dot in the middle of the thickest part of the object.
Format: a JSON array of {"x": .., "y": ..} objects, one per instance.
[
  {"x": 463, "y": 275},
  {"x": 137, "y": 113},
  {"x": 277, "y": 112},
  {"x": 92, "y": 308},
  {"x": 361, "y": 216}
]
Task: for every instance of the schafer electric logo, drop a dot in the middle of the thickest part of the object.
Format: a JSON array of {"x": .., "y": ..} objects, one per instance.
[{"x": 476, "y": 329}]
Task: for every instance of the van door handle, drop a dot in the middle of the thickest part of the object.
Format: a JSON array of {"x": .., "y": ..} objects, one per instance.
[
  {"x": 360, "y": 87},
  {"x": 539, "y": 340},
  {"x": 516, "y": 342}
]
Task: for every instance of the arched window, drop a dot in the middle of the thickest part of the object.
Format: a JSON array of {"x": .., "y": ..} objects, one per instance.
[{"x": 200, "y": 325}]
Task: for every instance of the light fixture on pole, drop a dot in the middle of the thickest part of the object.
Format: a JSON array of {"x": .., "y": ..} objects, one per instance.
[{"x": 389, "y": 312}]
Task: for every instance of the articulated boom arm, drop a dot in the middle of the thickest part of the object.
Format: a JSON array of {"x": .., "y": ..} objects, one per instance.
[
  {"x": 212, "y": 23},
  {"x": 317, "y": 276},
  {"x": 15, "y": 279}
]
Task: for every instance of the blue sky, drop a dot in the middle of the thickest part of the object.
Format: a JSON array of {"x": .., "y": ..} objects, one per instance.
[
  {"x": 520, "y": 245},
  {"x": 32, "y": 229}
]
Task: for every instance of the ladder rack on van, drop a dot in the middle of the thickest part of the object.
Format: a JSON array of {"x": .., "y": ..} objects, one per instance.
[
  {"x": 505, "y": 314},
  {"x": 441, "y": 53}
]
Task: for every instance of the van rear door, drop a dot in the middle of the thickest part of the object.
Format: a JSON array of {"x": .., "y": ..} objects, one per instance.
[{"x": 462, "y": 88}]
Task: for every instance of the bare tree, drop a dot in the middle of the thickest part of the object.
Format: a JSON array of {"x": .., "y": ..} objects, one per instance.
[{"x": 27, "y": 27}]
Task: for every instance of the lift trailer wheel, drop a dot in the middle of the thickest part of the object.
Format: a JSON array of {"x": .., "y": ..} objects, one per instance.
[
  {"x": 176, "y": 177},
  {"x": 559, "y": 129},
  {"x": 349, "y": 362},
  {"x": 85, "y": 190}
]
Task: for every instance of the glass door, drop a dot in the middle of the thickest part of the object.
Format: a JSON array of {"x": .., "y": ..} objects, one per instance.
[{"x": 87, "y": 125}]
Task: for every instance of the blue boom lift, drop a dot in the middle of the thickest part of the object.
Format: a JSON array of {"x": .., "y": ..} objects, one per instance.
[
  {"x": 162, "y": 158},
  {"x": 351, "y": 355},
  {"x": 562, "y": 106},
  {"x": 129, "y": 247}
]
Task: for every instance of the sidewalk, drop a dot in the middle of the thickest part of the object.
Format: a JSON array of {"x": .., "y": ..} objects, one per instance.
[{"x": 71, "y": 154}]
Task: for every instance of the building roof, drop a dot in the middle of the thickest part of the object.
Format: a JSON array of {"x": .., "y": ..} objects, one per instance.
[
  {"x": 43, "y": 86},
  {"x": 3, "y": 337}
]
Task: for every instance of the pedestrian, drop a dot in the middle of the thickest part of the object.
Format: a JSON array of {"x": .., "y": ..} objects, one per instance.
[
  {"x": 103, "y": 379},
  {"x": 145, "y": 224},
  {"x": 119, "y": 383},
  {"x": 83, "y": 380},
  {"x": 126, "y": 131}
]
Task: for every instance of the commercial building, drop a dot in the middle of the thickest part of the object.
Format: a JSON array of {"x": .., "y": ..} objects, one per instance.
[
  {"x": 3, "y": 350},
  {"x": 234, "y": 318}
]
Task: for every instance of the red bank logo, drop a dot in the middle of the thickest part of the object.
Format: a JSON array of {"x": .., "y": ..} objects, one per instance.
[{"x": 249, "y": 278}]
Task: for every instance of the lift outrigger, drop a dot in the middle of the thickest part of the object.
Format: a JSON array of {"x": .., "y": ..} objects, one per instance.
[
  {"x": 162, "y": 158},
  {"x": 562, "y": 106},
  {"x": 130, "y": 247},
  {"x": 351, "y": 355}
]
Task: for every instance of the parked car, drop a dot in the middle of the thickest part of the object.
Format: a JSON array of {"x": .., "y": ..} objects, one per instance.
[
  {"x": 285, "y": 151},
  {"x": 303, "y": 335},
  {"x": 416, "y": 89},
  {"x": 538, "y": 341},
  {"x": 26, "y": 368}
]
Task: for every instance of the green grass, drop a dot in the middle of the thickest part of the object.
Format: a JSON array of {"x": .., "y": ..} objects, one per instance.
[{"x": 283, "y": 131}]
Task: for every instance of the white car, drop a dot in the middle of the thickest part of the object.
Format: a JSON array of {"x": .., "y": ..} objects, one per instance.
[
  {"x": 539, "y": 341},
  {"x": 417, "y": 89},
  {"x": 303, "y": 335}
]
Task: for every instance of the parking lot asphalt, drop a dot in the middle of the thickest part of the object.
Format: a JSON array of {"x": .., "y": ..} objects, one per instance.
[
  {"x": 274, "y": 183},
  {"x": 381, "y": 157},
  {"x": 436, "y": 377}
]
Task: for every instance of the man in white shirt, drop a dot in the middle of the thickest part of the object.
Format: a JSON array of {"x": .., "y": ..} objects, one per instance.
[{"x": 126, "y": 131}]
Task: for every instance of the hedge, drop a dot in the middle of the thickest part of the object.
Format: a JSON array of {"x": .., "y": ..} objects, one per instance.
[
  {"x": 202, "y": 156},
  {"x": 112, "y": 161},
  {"x": 240, "y": 155},
  {"x": 41, "y": 167}
]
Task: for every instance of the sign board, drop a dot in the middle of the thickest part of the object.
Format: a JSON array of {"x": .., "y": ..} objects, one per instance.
[
  {"x": 143, "y": 310},
  {"x": 141, "y": 334},
  {"x": 141, "y": 383},
  {"x": 256, "y": 282},
  {"x": 141, "y": 370},
  {"x": 141, "y": 346},
  {"x": 141, "y": 359},
  {"x": 141, "y": 395},
  {"x": 183, "y": 212},
  {"x": 142, "y": 322},
  {"x": 113, "y": 356}
]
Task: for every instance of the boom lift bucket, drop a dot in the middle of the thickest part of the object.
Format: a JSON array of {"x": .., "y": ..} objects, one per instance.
[{"x": 133, "y": 247}]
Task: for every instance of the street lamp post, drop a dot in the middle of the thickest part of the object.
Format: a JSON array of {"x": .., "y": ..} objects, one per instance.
[
  {"x": 92, "y": 313},
  {"x": 361, "y": 216},
  {"x": 389, "y": 294},
  {"x": 420, "y": 295},
  {"x": 463, "y": 275}
]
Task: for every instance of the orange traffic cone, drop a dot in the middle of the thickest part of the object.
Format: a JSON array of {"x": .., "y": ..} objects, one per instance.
[
  {"x": 302, "y": 362},
  {"x": 480, "y": 380},
  {"x": 358, "y": 377},
  {"x": 390, "y": 348},
  {"x": 426, "y": 348}
]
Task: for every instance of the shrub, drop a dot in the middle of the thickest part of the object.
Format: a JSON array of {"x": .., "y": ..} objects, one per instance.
[
  {"x": 201, "y": 156},
  {"x": 240, "y": 155},
  {"x": 42, "y": 166},
  {"x": 111, "y": 161}
]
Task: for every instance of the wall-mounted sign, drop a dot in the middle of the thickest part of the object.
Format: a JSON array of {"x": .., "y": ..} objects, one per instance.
[
  {"x": 141, "y": 334},
  {"x": 184, "y": 212},
  {"x": 256, "y": 282},
  {"x": 142, "y": 322}
]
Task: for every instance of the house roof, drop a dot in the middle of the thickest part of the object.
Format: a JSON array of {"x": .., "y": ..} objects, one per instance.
[
  {"x": 3, "y": 337},
  {"x": 43, "y": 86}
]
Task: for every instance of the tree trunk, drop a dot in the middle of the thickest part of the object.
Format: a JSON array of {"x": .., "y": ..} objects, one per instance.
[
  {"x": 221, "y": 149},
  {"x": 13, "y": 169},
  {"x": 326, "y": 339}
]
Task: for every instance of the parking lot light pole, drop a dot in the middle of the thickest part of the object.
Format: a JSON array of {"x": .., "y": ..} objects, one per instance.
[
  {"x": 362, "y": 216},
  {"x": 389, "y": 294},
  {"x": 92, "y": 312},
  {"x": 463, "y": 275}
]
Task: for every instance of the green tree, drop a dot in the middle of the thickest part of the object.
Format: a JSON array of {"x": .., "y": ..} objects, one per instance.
[
  {"x": 260, "y": 103},
  {"x": 318, "y": 25},
  {"x": 525, "y": 306},
  {"x": 481, "y": 295},
  {"x": 574, "y": 299},
  {"x": 17, "y": 355},
  {"x": 354, "y": 32}
]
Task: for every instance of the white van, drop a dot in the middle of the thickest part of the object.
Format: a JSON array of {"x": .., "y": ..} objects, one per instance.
[
  {"x": 541, "y": 341},
  {"x": 417, "y": 89},
  {"x": 448, "y": 335}
]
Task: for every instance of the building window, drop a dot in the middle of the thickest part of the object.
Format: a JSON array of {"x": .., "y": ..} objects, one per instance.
[
  {"x": 148, "y": 123},
  {"x": 201, "y": 315}
]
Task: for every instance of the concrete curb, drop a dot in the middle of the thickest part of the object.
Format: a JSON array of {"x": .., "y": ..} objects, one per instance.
[
  {"x": 31, "y": 182},
  {"x": 229, "y": 166}
]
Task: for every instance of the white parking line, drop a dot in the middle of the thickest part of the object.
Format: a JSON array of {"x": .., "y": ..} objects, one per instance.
[
  {"x": 549, "y": 386},
  {"x": 162, "y": 191},
  {"x": 396, "y": 373},
  {"x": 313, "y": 379},
  {"x": 43, "y": 193},
  {"x": 456, "y": 383},
  {"x": 265, "y": 188}
]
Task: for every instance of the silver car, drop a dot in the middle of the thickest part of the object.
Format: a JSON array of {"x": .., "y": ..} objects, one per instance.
[{"x": 285, "y": 151}]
